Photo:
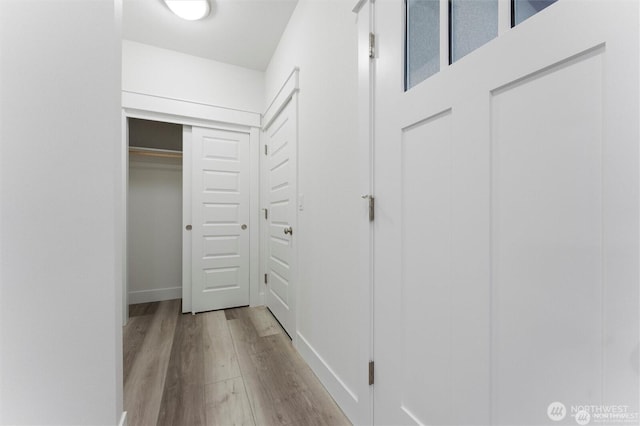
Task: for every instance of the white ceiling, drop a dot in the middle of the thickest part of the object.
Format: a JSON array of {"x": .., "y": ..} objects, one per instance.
[{"x": 238, "y": 32}]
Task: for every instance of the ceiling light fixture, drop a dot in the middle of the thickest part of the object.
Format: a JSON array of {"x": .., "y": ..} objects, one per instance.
[{"x": 191, "y": 10}]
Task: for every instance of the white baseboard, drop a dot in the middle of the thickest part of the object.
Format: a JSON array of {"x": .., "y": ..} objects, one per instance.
[
  {"x": 347, "y": 400},
  {"x": 155, "y": 295},
  {"x": 123, "y": 419}
]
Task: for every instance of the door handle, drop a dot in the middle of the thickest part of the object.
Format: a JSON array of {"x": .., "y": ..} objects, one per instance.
[
  {"x": 288, "y": 230},
  {"x": 188, "y": 227}
]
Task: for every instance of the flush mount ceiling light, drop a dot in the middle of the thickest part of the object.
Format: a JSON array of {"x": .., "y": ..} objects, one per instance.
[{"x": 191, "y": 10}]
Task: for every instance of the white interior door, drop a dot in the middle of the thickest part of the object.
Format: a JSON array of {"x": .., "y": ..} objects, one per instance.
[
  {"x": 506, "y": 232},
  {"x": 281, "y": 203},
  {"x": 220, "y": 212}
]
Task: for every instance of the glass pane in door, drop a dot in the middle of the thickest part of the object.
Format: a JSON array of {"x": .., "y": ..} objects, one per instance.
[
  {"x": 523, "y": 9},
  {"x": 473, "y": 23},
  {"x": 422, "y": 40}
]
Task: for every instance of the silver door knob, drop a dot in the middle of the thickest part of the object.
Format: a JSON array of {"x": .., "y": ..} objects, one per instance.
[
  {"x": 288, "y": 230},
  {"x": 244, "y": 226}
]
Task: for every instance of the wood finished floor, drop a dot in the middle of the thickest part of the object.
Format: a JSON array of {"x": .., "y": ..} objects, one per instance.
[{"x": 232, "y": 367}]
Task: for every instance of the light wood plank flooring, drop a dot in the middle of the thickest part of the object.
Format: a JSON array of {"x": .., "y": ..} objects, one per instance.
[{"x": 232, "y": 367}]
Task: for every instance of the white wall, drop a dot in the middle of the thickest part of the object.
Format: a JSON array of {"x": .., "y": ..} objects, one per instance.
[
  {"x": 155, "y": 229},
  {"x": 60, "y": 312},
  {"x": 321, "y": 39},
  {"x": 161, "y": 72}
]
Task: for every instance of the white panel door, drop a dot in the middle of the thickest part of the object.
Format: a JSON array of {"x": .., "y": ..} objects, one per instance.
[
  {"x": 506, "y": 231},
  {"x": 281, "y": 202},
  {"x": 220, "y": 212}
]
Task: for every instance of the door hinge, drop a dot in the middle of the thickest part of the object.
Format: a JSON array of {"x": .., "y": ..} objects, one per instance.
[
  {"x": 266, "y": 150},
  {"x": 372, "y": 45},
  {"x": 372, "y": 206},
  {"x": 266, "y": 279},
  {"x": 371, "y": 368}
]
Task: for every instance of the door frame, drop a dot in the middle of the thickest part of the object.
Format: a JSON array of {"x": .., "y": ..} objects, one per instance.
[
  {"x": 365, "y": 23},
  {"x": 288, "y": 93},
  {"x": 192, "y": 114}
]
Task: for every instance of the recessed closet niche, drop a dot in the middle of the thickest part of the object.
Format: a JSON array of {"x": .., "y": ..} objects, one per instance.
[{"x": 154, "y": 211}]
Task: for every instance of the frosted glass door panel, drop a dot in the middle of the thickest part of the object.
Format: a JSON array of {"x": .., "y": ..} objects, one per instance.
[
  {"x": 473, "y": 23},
  {"x": 423, "y": 40},
  {"x": 523, "y": 9}
]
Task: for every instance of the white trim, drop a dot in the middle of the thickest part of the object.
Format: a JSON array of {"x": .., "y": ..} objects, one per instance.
[
  {"x": 263, "y": 227},
  {"x": 363, "y": 414},
  {"x": 124, "y": 217},
  {"x": 170, "y": 98},
  {"x": 183, "y": 111},
  {"x": 254, "y": 238},
  {"x": 155, "y": 295},
  {"x": 290, "y": 86},
  {"x": 346, "y": 398},
  {"x": 184, "y": 121},
  {"x": 295, "y": 270},
  {"x": 255, "y": 296},
  {"x": 123, "y": 419}
]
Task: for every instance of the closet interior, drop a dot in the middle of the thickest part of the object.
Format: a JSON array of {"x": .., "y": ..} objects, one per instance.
[{"x": 154, "y": 229}]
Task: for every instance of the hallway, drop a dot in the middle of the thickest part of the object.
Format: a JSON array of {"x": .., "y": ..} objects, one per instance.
[{"x": 232, "y": 367}]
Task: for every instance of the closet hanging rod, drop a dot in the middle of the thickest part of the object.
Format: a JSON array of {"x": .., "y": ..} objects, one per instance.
[{"x": 154, "y": 152}]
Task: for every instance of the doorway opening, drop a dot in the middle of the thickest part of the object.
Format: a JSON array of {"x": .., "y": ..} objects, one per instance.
[{"x": 196, "y": 144}]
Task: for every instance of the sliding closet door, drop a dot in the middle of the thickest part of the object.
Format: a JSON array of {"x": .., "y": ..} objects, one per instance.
[{"x": 220, "y": 211}]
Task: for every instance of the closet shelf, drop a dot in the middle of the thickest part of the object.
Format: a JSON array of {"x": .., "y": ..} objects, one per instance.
[{"x": 153, "y": 152}]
